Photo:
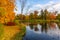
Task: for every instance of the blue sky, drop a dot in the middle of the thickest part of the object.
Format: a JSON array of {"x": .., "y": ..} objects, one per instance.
[{"x": 37, "y": 4}]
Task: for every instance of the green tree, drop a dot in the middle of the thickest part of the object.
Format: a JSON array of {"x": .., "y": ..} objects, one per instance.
[
  {"x": 35, "y": 14},
  {"x": 45, "y": 14},
  {"x": 58, "y": 17},
  {"x": 31, "y": 16},
  {"x": 42, "y": 14}
]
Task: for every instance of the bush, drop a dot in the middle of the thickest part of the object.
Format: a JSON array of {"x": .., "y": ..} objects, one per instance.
[
  {"x": 10, "y": 24},
  {"x": 18, "y": 22}
]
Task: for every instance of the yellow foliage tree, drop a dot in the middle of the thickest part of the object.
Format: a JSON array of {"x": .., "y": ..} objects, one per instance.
[{"x": 7, "y": 11}]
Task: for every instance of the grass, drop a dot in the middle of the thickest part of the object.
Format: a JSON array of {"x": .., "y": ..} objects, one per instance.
[
  {"x": 19, "y": 36},
  {"x": 40, "y": 21},
  {"x": 1, "y": 30},
  {"x": 10, "y": 32}
]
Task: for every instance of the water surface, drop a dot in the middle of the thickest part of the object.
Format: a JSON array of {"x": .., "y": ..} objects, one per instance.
[{"x": 40, "y": 32}]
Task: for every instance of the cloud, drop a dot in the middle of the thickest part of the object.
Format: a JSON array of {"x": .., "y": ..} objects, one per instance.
[
  {"x": 40, "y": 6},
  {"x": 50, "y": 6},
  {"x": 56, "y": 7}
]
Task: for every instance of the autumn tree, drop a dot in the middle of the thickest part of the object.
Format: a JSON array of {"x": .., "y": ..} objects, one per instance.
[
  {"x": 53, "y": 16},
  {"x": 7, "y": 9},
  {"x": 27, "y": 17}
]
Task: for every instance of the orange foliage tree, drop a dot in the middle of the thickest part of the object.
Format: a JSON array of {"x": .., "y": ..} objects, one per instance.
[
  {"x": 52, "y": 16},
  {"x": 7, "y": 11}
]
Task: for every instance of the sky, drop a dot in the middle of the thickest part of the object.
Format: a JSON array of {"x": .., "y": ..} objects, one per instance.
[{"x": 31, "y": 5}]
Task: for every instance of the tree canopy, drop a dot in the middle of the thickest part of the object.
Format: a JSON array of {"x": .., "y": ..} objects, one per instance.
[{"x": 7, "y": 11}]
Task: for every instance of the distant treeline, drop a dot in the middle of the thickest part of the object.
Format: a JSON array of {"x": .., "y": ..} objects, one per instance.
[{"x": 43, "y": 15}]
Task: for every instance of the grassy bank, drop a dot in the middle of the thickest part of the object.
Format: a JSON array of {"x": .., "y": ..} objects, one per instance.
[
  {"x": 12, "y": 32},
  {"x": 40, "y": 21}
]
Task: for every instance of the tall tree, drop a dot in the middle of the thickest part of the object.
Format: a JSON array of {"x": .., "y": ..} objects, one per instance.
[
  {"x": 31, "y": 16},
  {"x": 58, "y": 17},
  {"x": 23, "y": 3},
  {"x": 42, "y": 14},
  {"x": 45, "y": 14},
  {"x": 7, "y": 9},
  {"x": 35, "y": 14}
]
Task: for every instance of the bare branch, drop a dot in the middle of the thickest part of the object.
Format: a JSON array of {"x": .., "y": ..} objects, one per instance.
[{"x": 23, "y": 3}]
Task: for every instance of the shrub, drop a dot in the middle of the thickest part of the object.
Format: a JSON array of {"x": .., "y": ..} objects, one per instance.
[
  {"x": 18, "y": 22},
  {"x": 10, "y": 24}
]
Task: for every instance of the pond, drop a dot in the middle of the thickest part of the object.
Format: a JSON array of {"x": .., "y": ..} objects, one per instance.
[{"x": 42, "y": 32}]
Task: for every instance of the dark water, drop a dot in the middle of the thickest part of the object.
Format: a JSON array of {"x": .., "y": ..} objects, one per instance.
[{"x": 40, "y": 32}]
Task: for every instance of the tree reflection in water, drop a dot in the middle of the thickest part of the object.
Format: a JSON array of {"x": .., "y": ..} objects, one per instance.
[
  {"x": 44, "y": 27},
  {"x": 31, "y": 26},
  {"x": 36, "y": 28},
  {"x": 48, "y": 31},
  {"x": 58, "y": 25}
]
